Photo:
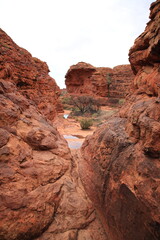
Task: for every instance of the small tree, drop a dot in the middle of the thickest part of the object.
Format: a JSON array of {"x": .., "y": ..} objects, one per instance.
[{"x": 86, "y": 104}]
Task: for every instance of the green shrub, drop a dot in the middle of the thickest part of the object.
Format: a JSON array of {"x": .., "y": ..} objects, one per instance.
[
  {"x": 66, "y": 100},
  {"x": 121, "y": 101},
  {"x": 85, "y": 123}
]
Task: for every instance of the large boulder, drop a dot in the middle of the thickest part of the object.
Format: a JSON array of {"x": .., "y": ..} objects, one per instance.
[
  {"x": 41, "y": 195},
  {"x": 30, "y": 76},
  {"x": 121, "y": 159}
]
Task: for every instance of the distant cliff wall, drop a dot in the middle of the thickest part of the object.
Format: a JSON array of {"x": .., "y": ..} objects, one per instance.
[{"x": 83, "y": 78}]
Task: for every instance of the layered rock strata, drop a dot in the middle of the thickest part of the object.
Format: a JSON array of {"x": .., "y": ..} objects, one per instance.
[
  {"x": 30, "y": 76},
  {"x": 122, "y": 158},
  {"x": 83, "y": 78},
  {"x": 41, "y": 195}
]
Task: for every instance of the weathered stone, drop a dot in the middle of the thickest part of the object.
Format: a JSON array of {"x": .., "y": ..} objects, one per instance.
[
  {"x": 4, "y": 137},
  {"x": 41, "y": 195},
  {"x": 83, "y": 78},
  {"x": 121, "y": 159},
  {"x": 30, "y": 76},
  {"x": 39, "y": 139}
]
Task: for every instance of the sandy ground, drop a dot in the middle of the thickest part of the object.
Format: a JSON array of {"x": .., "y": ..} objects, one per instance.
[{"x": 71, "y": 129}]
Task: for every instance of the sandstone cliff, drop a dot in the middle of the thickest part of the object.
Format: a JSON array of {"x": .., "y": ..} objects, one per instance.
[
  {"x": 83, "y": 78},
  {"x": 30, "y": 75},
  {"x": 41, "y": 195},
  {"x": 122, "y": 158}
]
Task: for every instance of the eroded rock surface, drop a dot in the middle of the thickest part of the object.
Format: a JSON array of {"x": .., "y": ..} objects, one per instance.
[
  {"x": 41, "y": 195},
  {"x": 122, "y": 158},
  {"x": 83, "y": 78},
  {"x": 30, "y": 76}
]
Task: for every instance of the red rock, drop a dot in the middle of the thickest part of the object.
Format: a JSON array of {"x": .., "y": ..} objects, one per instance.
[
  {"x": 30, "y": 76},
  {"x": 41, "y": 195},
  {"x": 40, "y": 139},
  {"x": 83, "y": 78},
  {"x": 4, "y": 137},
  {"x": 121, "y": 159}
]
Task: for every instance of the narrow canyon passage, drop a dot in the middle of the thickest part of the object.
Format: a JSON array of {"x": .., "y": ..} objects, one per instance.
[{"x": 59, "y": 182}]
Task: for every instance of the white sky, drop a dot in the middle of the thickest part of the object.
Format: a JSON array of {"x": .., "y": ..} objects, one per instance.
[{"x": 65, "y": 32}]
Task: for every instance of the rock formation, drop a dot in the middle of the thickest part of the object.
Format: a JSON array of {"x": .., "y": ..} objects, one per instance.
[
  {"x": 30, "y": 75},
  {"x": 83, "y": 78},
  {"x": 41, "y": 195},
  {"x": 121, "y": 160}
]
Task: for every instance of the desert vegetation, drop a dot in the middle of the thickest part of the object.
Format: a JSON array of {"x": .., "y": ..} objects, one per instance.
[
  {"x": 85, "y": 105},
  {"x": 86, "y": 110},
  {"x": 85, "y": 123}
]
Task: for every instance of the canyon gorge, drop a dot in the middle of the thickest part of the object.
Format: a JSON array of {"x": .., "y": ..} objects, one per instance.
[{"x": 109, "y": 189}]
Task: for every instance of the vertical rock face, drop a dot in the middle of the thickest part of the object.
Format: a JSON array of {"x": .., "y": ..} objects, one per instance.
[
  {"x": 30, "y": 76},
  {"x": 121, "y": 81},
  {"x": 78, "y": 78},
  {"x": 122, "y": 157},
  {"x": 83, "y": 78},
  {"x": 41, "y": 195}
]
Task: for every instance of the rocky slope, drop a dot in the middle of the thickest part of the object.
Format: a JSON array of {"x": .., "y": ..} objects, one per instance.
[
  {"x": 30, "y": 76},
  {"x": 122, "y": 159},
  {"x": 41, "y": 195},
  {"x": 83, "y": 78}
]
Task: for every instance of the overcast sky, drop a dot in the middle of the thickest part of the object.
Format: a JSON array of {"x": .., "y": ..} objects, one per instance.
[{"x": 65, "y": 32}]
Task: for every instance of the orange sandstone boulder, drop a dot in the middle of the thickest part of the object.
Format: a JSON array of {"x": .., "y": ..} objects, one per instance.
[
  {"x": 41, "y": 195},
  {"x": 30, "y": 76},
  {"x": 121, "y": 159}
]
